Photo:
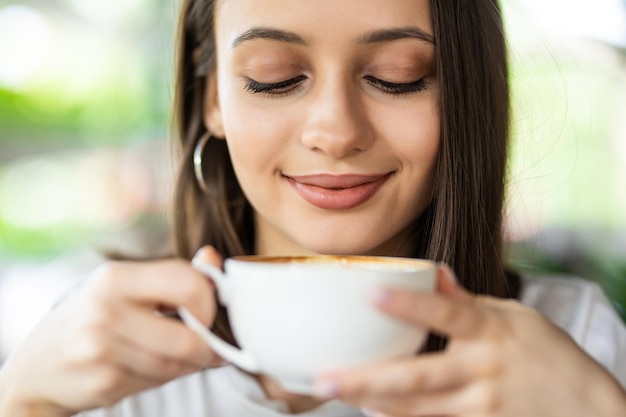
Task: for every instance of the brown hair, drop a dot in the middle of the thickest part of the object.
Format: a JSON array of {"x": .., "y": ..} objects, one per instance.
[{"x": 462, "y": 224}]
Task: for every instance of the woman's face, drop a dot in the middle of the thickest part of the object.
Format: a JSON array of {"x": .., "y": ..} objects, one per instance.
[{"x": 330, "y": 112}]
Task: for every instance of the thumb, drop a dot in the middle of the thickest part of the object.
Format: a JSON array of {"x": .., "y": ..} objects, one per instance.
[
  {"x": 447, "y": 283},
  {"x": 208, "y": 254}
]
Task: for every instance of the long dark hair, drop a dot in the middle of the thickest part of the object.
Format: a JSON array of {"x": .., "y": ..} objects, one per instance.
[{"x": 462, "y": 224}]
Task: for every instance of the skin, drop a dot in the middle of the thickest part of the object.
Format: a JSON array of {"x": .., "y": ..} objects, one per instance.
[
  {"x": 335, "y": 122},
  {"x": 503, "y": 359},
  {"x": 105, "y": 341}
]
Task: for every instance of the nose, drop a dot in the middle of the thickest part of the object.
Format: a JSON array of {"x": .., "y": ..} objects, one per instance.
[{"x": 337, "y": 124}]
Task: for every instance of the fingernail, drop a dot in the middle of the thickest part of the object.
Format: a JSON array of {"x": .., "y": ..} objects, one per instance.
[
  {"x": 383, "y": 297},
  {"x": 201, "y": 254},
  {"x": 326, "y": 388},
  {"x": 219, "y": 363},
  {"x": 218, "y": 360}
]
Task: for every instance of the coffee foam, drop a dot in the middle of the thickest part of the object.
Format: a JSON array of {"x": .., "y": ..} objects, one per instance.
[{"x": 379, "y": 263}]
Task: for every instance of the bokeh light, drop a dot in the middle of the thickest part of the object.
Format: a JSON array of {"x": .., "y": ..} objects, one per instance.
[{"x": 25, "y": 42}]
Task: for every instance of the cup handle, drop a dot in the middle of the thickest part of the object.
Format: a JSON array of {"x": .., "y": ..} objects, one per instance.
[
  {"x": 239, "y": 357},
  {"x": 217, "y": 275}
]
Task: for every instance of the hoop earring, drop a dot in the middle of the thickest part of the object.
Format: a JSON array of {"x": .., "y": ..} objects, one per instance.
[{"x": 197, "y": 161}]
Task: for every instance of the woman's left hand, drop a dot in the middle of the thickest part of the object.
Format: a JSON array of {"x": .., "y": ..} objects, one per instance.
[{"x": 503, "y": 359}]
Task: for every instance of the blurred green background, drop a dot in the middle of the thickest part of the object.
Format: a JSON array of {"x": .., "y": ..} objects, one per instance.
[{"x": 85, "y": 93}]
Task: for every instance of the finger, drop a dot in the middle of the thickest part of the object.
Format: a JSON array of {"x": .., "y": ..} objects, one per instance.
[
  {"x": 110, "y": 383},
  {"x": 448, "y": 284},
  {"x": 150, "y": 282},
  {"x": 157, "y": 284},
  {"x": 472, "y": 399},
  {"x": 208, "y": 254},
  {"x": 114, "y": 366},
  {"x": 149, "y": 366},
  {"x": 443, "y": 314},
  {"x": 426, "y": 373},
  {"x": 372, "y": 413},
  {"x": 165, "y": 337}
]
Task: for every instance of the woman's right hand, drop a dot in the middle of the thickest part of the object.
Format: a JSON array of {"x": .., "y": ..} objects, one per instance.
[{"x": 107, "y": 340}]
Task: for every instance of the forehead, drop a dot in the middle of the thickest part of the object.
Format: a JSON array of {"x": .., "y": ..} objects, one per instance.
[{"x": 316, "y": 20}]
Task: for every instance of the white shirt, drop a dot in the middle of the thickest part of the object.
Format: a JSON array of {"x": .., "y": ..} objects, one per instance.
[{"x": 579, "y": 307}]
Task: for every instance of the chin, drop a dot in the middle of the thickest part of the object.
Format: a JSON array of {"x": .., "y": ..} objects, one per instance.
[
  {"x": 360, "y": 241},
  {"x": 344, "y": 248}
]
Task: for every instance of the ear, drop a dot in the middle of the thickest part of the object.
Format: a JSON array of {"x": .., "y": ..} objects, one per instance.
[{"x": 212, "y": 110}]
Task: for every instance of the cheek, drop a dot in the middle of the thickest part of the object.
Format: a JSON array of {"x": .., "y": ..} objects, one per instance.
[
  {"x": 248, "y": 118},
  {"x": 257, "y": 136},
  {"x": 413, "y": 133}
]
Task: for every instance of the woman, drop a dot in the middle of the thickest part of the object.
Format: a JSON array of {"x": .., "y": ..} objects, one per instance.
[{"x": 353, "y": 127}]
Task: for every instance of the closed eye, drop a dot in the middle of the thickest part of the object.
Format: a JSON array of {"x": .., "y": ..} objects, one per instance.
[
  {"x": 396, "y": 88},
  {"x": 274, "y": 89}
]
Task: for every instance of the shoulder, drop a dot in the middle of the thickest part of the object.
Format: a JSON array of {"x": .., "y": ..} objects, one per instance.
[
  {"x": 578, "y": 306},
  {"x": 564, "y": 299},
  {"x": 581, "y": 308}
]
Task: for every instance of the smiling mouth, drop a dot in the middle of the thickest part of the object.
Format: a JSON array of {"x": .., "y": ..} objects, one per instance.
[{"x": 337, "y": 192}]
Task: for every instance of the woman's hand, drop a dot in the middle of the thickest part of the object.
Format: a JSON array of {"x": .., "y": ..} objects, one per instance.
[
  {"x": 109, "y": 340},
  {"x": 503, "y": 359}
]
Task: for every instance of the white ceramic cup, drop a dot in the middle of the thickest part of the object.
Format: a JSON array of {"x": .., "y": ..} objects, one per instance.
[{"x": 296, "y": 317}]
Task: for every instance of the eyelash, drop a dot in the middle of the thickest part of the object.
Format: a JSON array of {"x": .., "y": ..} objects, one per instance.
[
  {"x": 397, "y": 89},
  {"x": 274, "y": 89},
  {"x": 285, "y": 87}
]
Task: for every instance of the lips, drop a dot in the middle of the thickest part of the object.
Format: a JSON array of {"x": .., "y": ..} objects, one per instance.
[{"x": 337, "y": 192}]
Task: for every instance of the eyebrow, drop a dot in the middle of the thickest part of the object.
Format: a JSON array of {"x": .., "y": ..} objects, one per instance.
[
  {"x": 387, "y": 35},
  {"x": 267, "y": 33},
  {"x": 384, "y": 35}
]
